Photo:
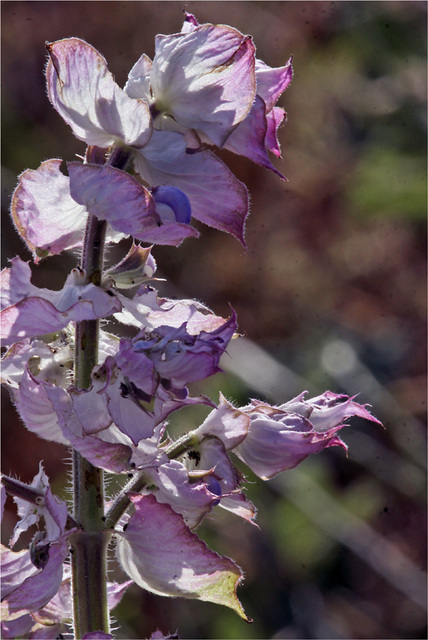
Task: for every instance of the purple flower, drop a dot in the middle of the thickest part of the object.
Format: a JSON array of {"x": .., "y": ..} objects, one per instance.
[
  {"x": 86, "y": 96},
  {"x": 256, "y": 134},
  {"x": 217, "y": 197},
  {"x": 279, "y": 438}
]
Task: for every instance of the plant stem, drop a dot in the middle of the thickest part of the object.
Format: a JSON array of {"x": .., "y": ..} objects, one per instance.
[
  {"x": 89, "y": 546},
  {"x": 19, "y": 489}
]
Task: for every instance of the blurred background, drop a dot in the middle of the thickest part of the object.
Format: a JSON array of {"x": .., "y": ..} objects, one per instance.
[{"x": 331, "y": 294}]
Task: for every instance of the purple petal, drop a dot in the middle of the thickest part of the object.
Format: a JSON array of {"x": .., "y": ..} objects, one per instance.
[
  {"x": 16, "y": 566},
  {"x": 190, "y": 22},
  {"x": 175, "y": 200},
  {"x": 162, "y": 555},
  {"x": 227, "y": 423},
  {"x": 17, "y": 628},
  {"x": 136, "y": 267},
  {"x": 274, "y": 120},
  {"x": 217, "y": 198},
  {"x": 182, "y": 357},
  {"x": 35, "y": 591},
  {"x": 147, "y": 310},
  {"x": 91, "y": 410},
  {"x": 36, "y": 410},
  {"x": 115, "y": 592},
  {"x": 213, "y": 457},
  {"x": 113, "y": 195},
  {"x": 51, "y": 508},
  {"x": 272, "y": 82},
  {"x": 277, "y": 444},
  {"x": 192, "y": 500},
  {"x": 37, "y": 200},
  {"x": 138, "y": 84},
  {"x": 251, "y": 139},
  {"x": 331, "y": 409},
  {"x": 60, "y": 607},
  {"x": 85, "y": 94},
  {"x": 239, "y": 505},
  {"x": 109, "y": 456},
  {"x": 204, "y": 79},
  {"x": 135, "y": 412}
]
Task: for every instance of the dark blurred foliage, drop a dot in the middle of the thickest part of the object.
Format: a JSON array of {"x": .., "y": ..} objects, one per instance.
[{"x": 330, "y": 294}]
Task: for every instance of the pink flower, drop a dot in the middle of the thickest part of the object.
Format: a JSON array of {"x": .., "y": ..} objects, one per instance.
[{"x": 279, "y": 438}]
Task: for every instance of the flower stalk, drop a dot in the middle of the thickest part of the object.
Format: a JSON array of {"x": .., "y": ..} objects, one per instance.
[{"x": 89, "y": 558}]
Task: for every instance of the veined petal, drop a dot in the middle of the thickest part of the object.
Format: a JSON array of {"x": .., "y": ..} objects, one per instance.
[
  {"x": 43, "y": 195},
  {"x": 85, "y": 94},
  {"x": 162, "y": 555},
  {"x": 18, "y": 627},
  {"x": 276, "y": 445},
  {"x": 113, "y": 195},
  {"x": 281, "y": 437},
  {"x": 138, "y": 83},
  {"x": 60, "y": 608},
  {"x": 274, "y": 120},
  {"x": 250, "y": 138},
  {"x": 331, "y": 410},
  {"x": 36, "y": 410},
  {"x": 205, "y": 79},
  {"x": 147, "y": 310},
  {"x": 217, "y": 198}
]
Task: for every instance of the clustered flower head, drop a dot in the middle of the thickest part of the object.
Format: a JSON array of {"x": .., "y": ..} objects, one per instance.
[{"x": 149, "y": 169}]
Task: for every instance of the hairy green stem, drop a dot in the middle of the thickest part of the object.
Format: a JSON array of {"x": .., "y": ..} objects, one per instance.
[{"x": 89, "y": 546}]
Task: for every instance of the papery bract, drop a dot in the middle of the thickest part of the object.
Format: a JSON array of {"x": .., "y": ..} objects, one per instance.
[
  {"x": 112, "y": 195},
  {"x": 279, "y": 438},
  {"x": 202, "y": 80},
  {"x": 85, "y": 94},
  {"x": 37, "y": 200},
  {"x": 226, "y": 422},
  {"x": 36, "y": 590},
  {"x": 257, "y": 134},
  {"x": 162, "y": 555},
  {"x": 172, "y": 485},
  {"x": 211, "y": 456},
  {"x": 29, "y": 311},
  {"x": 216, "y": 196},
  {"x": 49, "y": 507}
]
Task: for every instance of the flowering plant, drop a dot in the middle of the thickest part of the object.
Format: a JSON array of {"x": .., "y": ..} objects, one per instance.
[{"x": 150, "y": 167}]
